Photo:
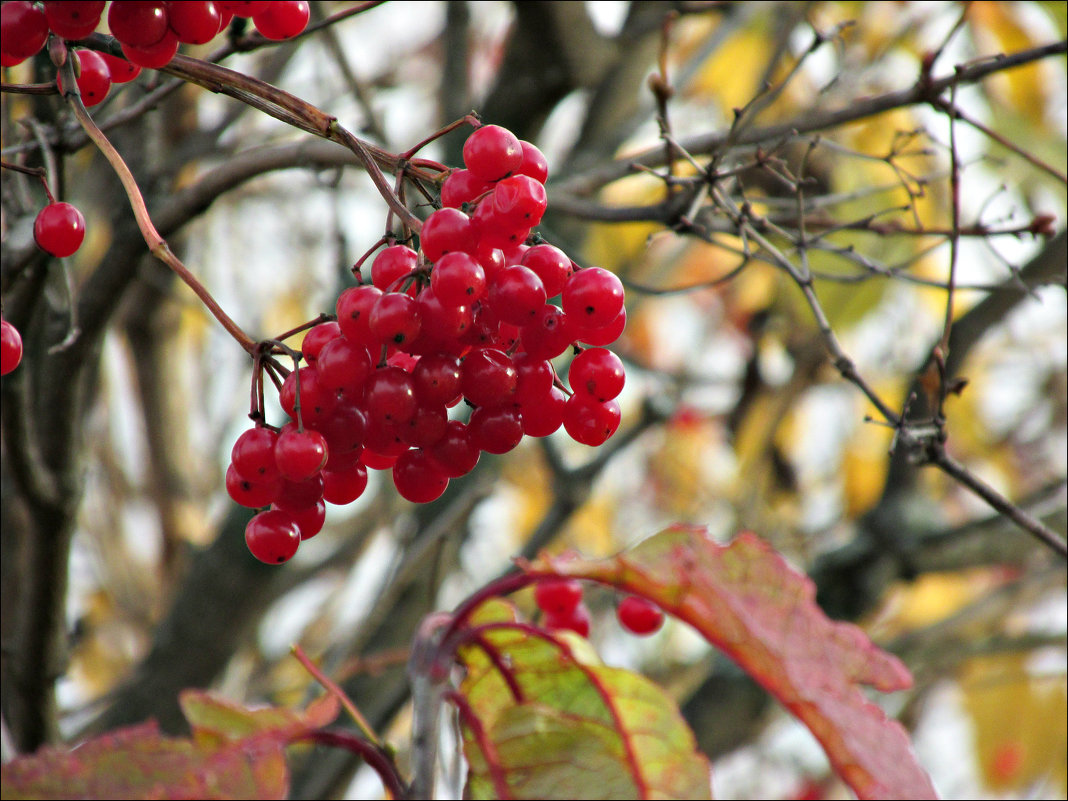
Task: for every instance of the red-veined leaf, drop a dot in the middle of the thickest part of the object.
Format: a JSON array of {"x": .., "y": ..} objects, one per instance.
[
  {"x": 745, "y": 599},
  {"x": 544, "y": 719}
]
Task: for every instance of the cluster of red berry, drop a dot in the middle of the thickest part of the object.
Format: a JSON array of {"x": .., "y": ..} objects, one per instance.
[
  {"x": 148, "y": 30},
  {"x": 560, "y": 600},
  {"x": 470, "y": 317}
]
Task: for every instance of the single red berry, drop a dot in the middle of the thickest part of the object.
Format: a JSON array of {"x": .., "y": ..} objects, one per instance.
[
  {"x": 558, "y": 596},
  {"x": 458, "y": 279},
  {"x": 345, "y": 431},
  {"x": 443, "y": 324},
  {"x": 592, "y": 297},
  {"x": 517, "y": 295},
  {"x": 272, "y": 537},
  {"x": 605, "y": 334},
  {"x": 120, "y": 70},
  {"x": 10, "y": 347},
  {"x": 73, "y": 20},
  {"x": 94, "y": 77},
  {"x": 496, "y": 429},
  {"x": 598, "y": 373},
  {"x": 543, "y": 416},
  {"x": 297, "y": 494},
  {"x": 418, "y": 478},
  {"x": 391, "y": 265},
  {"x": 154, "y": 56},
  {"x": 317, "y": 400},
  {"x": 520, "y": 201},
  {"x": 252, "y": 494},
  {"x": 317, "y": 338},
  {"x": 282, "y": 19},
  {"x": 437, "y": 378},
  {"x": 344, "y": 366},
  {"x": 59, "y": 229},
  {"x": 548, "y": 335},
  {"x": 578, "y": 621},
  {"x": 489, "y": 377},
  {"x": 138, "y": 23},
  {"x": 344, "y": 486},
  {"x": 395, "y": 318},
  {"x": 253, "y": 455},
  {"x": 551, "y": 265},
  {"x": 23, "y": 31},
  {"x": 390, "y": 396},
  {"x": 462, "y": 186},
  {"x": 194, "y": 22},
  {"x": 353, "y": 310},
  {"x": 445, "y": 231},
  {"x": 589, "y": 422},
  {"x": 426, "y": 427},
  {"x": 534, "y": 163},
  {"x": 300, "y": 454},
  {"x": 639, "y": 616},
  {"x": 492, "y": 152},
  {"x": 455, "y": 452}
]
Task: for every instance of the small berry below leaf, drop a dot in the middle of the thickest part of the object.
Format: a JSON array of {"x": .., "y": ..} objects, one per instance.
[{"x": 639, "y": 616}]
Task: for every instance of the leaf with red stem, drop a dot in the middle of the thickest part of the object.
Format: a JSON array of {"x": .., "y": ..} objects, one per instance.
[
  {"x": 745, "y": 599},
  {"x": 542, "y": 718}
]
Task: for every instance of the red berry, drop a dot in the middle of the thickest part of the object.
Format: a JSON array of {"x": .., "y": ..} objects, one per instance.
[
  {"x": 252, "y": 494},
  {"x": 639, "y": 616},
  {"x": 300, "y": 454},
  {"x": 492, "y": 152},
  {"x": 73, "y": 20},
  {"x": 345, "y": 430},
  {"x": 23, "y": 31},
  {"x": 391, "y": 265},
  {"x": 458, "y": 279},
  {"x": 297, "y": 494},
  {"x": 94, "y": 77},
  {"x": 282, "y": 19},
  {"x": 344, "y": 486},
  {"x": 418, "y": 478},
  {"x": 517, "y": 295},
  {"x": 578, "y": 621},
  {"x": 551, "y": 265},
  {"x": 395, "y": 318},
  {"x": 154, "y": 56},
  {"x": 317, "y": 338},
  {"x": 138, "y": 23},
  {"x": 462, "y": 186},
  {"x": 194, "y": 22},
  {"x": 496, "y": 429},
  {"x": 542, "y": 417},
  {"x": 437, "y": 378},
  {"x": 534, "y": 163},
  {"x": 253, "y": 455},
  {"x": 272, "y": 537},
  {"x": 59, "y": 229},
  {"x": 344, "y": 366},
  {"x": 10, "y": 347},
  {"x": 353, "y": 310},
  {"x": 548, "y": 334},
  {"x": 589, "y": 422},
  {"x": 605, "y": 334},
  {"x": 445, "y": 231},
  {"x": 489, "y": 377},
  {"x": 558, "y": 596},
  {"x": 120, "y": 70},
  {"x": 598, "y": 373},
  {"x": 519, "y": 201},
  {"x": 390, "y": 396},
  {"x": 592, "y": 297},
  {"x": 317, "y": 400},
  {"x": 455, "y": 452}
]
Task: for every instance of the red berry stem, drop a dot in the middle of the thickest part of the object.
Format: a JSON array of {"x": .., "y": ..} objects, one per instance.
[
  {"x": 467, "y": 119},
  {"x": 376, "y": 757},
  {"x": 334, "y": 689},
  {"x": 157, "y": 245}
]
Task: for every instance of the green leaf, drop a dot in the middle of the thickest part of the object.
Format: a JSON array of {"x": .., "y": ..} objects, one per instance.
[
  {"x": 745, "y": 599},
  {"x": 544, "y": 719}
]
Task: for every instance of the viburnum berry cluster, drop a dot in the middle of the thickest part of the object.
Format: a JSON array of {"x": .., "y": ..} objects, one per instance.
[
  {"x": 149, "y": 31},
  {"x": 475, "y": 316},
  {"x": 561, "y": 603}
]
